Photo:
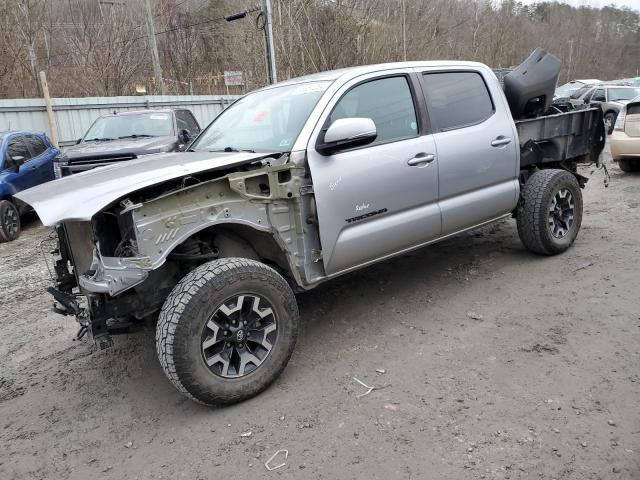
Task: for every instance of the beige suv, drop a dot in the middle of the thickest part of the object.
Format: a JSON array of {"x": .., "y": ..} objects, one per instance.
[{"x": 625, "y": 139}]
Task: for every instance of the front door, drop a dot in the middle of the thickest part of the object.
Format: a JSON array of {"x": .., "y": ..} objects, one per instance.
[
  {"x": 18, "y": 157},
  {"x": 379, "y": 199}
]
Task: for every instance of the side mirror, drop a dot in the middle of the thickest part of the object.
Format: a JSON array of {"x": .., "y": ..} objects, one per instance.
[
  {"x": 347, "y": 133},
  {"x": 586, "y": 100},
  {"x": 17, "y": 160},
  {"x": 14, "y": 162}
]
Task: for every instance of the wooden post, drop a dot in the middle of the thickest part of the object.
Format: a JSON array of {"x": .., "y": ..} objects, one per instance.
[{"x": 53, "y": 128}]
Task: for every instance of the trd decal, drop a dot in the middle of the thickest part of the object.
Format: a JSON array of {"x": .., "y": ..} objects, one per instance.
[{"x": 366, "y": 215}]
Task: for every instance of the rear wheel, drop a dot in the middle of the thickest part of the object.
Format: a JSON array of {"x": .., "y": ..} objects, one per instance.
[
  {"x": 627, "y": 165},
  {"x": 624, "y": 165},
  {"x": 227, "y": 330},
  {"x": 550, "y": 211},
  {"x": 9, "y": 221}
]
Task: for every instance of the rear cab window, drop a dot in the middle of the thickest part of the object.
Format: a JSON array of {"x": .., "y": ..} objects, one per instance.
[{"x": 457, "y": 99}]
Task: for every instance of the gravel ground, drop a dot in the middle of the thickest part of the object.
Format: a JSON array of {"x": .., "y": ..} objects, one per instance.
[{"x": 497, "y": 364}]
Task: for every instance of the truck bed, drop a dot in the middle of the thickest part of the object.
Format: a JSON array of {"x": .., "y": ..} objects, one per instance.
[{"x": 576, "y": 136}]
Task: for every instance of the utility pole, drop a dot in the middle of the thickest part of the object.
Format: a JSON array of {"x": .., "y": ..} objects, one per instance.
[
  {"x": 404, "y": 31},
  {"x": 34, "y": 64},
  {"x": 53, "y": 127},
  {"x": 268, "y": 33},
  {"x": 154, "y": 48},
  {"x": 267, "y": 27}
]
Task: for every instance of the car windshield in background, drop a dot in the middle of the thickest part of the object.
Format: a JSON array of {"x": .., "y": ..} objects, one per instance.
[
  {"x": 265, "y": 121},
  {"x": 577, "y": 93},
  {"x": 152, "y": 124},
  {"x": 623, "y": 93}
]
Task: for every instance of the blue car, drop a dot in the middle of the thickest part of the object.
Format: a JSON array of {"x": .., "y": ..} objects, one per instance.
[{"x": 26, "y": 160}]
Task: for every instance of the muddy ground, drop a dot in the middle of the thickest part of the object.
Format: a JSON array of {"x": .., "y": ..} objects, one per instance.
[{"x": 498, "y": 364}]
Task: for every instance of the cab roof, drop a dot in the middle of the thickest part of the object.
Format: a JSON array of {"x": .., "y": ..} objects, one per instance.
[{"x": 351, "y": 72}]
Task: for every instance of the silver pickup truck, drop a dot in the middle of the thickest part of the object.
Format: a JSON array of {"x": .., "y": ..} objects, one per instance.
[{"x": 300, "y": 182}]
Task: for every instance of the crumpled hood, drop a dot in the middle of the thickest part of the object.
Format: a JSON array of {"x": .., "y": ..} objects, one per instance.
[
  {"x": 133, "y": 146},
  {"x": 81, "y": 196}
]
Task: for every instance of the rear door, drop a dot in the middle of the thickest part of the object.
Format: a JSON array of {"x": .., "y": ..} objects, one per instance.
[
  {"x": 476, "y": 142},
  {"x": 379, "y": 199}
]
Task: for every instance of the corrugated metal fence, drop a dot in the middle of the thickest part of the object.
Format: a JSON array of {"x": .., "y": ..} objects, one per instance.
[{"x": 75, "y": 115}]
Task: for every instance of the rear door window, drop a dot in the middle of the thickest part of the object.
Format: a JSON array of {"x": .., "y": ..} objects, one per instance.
[
  {"x": 458, "y": 99},
  {"x": 386, "y": 101}
]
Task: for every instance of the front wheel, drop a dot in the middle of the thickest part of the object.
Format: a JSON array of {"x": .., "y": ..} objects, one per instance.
[
  {"x": 549, "y": 213},
  {"x": 9, "y": 221},
  {"x": 227, "y": 330}
]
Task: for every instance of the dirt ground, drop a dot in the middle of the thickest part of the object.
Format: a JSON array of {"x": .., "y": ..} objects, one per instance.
[{"x": 497, "y": 364}]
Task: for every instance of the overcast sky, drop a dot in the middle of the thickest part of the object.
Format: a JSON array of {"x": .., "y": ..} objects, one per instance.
[{"x": 598, "y": 3}]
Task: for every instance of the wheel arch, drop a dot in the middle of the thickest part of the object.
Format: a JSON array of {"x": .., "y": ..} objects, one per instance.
[
  {"x": 6, "y": 191},
  {"x": 240, "y": 240},
  {"x": 611, "y": 110}
]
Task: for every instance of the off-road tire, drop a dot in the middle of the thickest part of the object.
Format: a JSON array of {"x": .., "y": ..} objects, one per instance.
[
  {"x": 532, "y": 215},
  {"x": 626, "y": 165},
  {"x": 612, "y": 121},
  {"x": 9, "y": 234},
  {"x": 187, "y": 310}
]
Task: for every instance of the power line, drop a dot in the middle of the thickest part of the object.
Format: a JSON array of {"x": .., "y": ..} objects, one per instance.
[{"x": 139, "y": 37}]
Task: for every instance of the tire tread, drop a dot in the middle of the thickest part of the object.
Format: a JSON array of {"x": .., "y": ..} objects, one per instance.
[
  {"x": 531, "y": 219},
  {"x": 4, "y": 236},
  {"x": 219, "y": 273}
]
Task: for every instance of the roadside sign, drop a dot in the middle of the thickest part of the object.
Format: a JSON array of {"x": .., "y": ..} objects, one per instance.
[{"x": 232, "y": 78}]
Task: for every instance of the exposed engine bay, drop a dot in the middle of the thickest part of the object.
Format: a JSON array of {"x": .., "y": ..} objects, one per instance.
[{"x": 127, "y": 259}]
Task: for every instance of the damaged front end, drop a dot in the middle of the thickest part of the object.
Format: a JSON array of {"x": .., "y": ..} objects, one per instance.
[
  {"x": 128, "y": 257},
  {"x": 68, "y": 300}
]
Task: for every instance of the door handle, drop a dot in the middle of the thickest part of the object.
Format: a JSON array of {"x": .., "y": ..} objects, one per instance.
[
  {"x": 421, "y": 159},
  {"x": 501, "y": 140}
]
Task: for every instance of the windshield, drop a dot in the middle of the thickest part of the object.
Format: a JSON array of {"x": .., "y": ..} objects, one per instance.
[
  {"x": 265, "y": 121},
  {"x": 577, "y": 93},
  {"x": 152, "y": 124},
  {"x": 623, "y": 93}
]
